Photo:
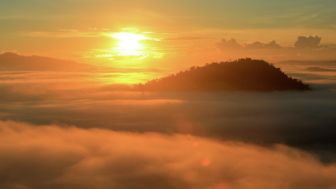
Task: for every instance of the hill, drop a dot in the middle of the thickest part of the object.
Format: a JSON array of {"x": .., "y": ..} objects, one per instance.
[
  {"x": 15, "y": 62},
  {"x": 240, "y": 75}
]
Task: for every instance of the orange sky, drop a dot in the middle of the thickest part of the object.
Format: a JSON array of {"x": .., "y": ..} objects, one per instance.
[{"x": 180, "y": 33}]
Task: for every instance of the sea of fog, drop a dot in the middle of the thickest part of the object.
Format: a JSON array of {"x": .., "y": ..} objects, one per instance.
[{"x": 72, "y": 130}]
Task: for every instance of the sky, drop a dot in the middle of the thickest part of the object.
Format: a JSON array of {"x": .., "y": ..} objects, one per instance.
[{"x": 74, "y": 27}]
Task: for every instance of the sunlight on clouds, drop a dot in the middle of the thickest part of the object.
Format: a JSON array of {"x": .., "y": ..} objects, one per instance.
[
  {"x": 124, "y": 78},
  {"x": 129, "y": 45},
  {"x": 73, "y": 158}
]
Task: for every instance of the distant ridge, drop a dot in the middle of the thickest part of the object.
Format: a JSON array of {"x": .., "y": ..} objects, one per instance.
[
  {"x": 240, "y": 75},
  {"x": 310, "y": 62},
  {"x": 14, "y": 62}
]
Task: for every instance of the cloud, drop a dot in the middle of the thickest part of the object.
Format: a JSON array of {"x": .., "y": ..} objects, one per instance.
[
  {"x": 51, "y": 157},
  {"x": 63, "y": 33},
  {"x": 303, "y": 120},
  {"x": 232, "y": 43},
  {"x": 308, "y": 42},
  {"x": 260, "y": 45},
  {"x": 305, "y": 48},
  {"x": 301, "y": 42}
]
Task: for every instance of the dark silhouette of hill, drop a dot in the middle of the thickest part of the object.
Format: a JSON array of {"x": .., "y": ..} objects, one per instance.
[
  {"x": 240, "y": 75},
  {"x": 14, "y": 62}
]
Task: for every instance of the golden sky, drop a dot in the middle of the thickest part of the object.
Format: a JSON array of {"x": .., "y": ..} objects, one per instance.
[{"x": 175, "y": 33}]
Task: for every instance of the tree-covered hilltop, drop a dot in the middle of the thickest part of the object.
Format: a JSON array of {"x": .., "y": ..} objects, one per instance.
[{"x": 240, "y": 75}]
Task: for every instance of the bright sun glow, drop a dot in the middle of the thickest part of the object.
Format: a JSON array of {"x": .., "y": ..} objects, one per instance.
[
  {"x": 129, "y": 44},
  {"x": 130, "y": 49}
]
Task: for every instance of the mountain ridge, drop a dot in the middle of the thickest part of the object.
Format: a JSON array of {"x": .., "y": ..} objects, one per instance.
[
  {"x": 10, "y": 61},
  {"x": 240, "y": 75}
]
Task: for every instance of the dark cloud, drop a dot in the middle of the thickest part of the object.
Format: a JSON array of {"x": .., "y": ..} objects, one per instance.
[
  {"x": 51, "y": 157},
  {"x": 231, "y": 44},
  {"x": 305, "y": 48},
  {"x": 302, "y": 42},
  {"x": 234, "y": 44},
  {"x": 260, "y": 45},
  {"x": 308, "y": 42}
]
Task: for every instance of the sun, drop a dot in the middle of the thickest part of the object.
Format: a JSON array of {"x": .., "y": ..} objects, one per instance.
[
  {"x": 129, "y": 47},
  {"x": 129, "y": 44}
]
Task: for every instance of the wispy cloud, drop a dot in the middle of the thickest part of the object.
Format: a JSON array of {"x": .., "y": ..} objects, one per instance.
[{"x": 63, "y": 33}]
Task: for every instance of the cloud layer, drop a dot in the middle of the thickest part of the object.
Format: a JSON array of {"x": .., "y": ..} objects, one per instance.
[
  {"x": 304, "y": 120},
  {"x": 119, "y": 150},
  {"x": 304, "y": 48},
  {"x": 34, "y": 157}
]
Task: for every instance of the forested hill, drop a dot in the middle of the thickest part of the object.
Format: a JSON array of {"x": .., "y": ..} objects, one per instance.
[{"x": 240, "y": 75}]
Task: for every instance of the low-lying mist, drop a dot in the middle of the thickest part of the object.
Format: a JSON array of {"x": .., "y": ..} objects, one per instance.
[
  {"x": 301, "y": 119},
  {"x": 75, "y": 132},
  {"x": 51, "y": 156}
]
